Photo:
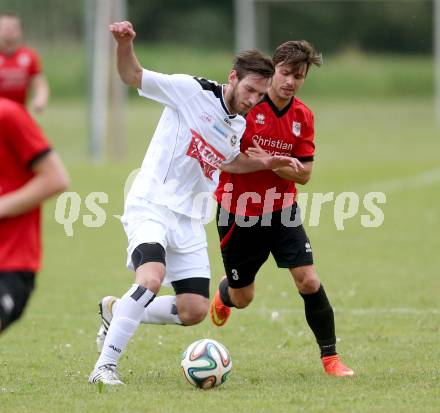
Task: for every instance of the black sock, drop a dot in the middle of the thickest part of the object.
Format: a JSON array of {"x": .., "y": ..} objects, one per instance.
[
  {"x": 320, "y": 318},
  {"x": 224, "y": 293}
]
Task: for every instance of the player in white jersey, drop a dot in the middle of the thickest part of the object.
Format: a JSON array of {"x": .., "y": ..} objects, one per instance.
[{"x": 198, "y": 134}]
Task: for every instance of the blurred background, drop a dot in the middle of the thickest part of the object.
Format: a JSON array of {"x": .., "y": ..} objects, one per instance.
[{"x": 372, "y": 49}]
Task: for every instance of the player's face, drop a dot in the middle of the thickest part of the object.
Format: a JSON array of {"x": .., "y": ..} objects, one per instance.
[
  {"x": 10, "y": 29},
  {"x": 247, "y": 92},
  {"x": 287, "y": 81}
]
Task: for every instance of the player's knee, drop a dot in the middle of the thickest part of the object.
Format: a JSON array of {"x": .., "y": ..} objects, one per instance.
[
  {"x": 151, "y": 283},
  {"x": 193, "y": 315},
  {"x": 309, "y": 285},
  {"x": 306, "y": 279},
  {"x": 149, "y": 262}
]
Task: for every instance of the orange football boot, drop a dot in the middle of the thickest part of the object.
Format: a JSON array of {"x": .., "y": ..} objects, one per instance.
[
  {"x": 334, "y": 367},
  {"x": 219, "y": 312}
]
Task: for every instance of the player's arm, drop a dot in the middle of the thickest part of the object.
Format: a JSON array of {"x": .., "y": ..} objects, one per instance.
[
  {"x": 129, "y": 68},
  {"x": 50, "y": 177},
  {"x": 298, "y": 175},
  {"x": 245, "y": 164},
  {"x": 40, "y": 90}
]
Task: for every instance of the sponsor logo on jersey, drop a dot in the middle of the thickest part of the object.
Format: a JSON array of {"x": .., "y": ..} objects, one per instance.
[
  {"x": 205, "y": 117},
  {"x": 227, "y": 121},
  {"x": 260, "y": 119},
  {"x": 308, "y": 247},
  {"x": 207, "y": 156},
  {"x": 296, "y": 128},
  {"x": 274, "y": 146},
  {"x": 23, "y": 60},
  {"x": 233, "y": 140},
  {"x": 220, "y": 130}
]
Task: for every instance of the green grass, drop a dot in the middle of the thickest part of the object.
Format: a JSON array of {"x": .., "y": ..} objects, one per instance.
[
  {"x": 383, "y": 283},
  {"x": 349, "y": 74}
]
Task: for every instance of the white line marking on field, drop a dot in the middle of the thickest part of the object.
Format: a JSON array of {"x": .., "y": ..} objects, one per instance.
[{"x": 426, "y": 178}]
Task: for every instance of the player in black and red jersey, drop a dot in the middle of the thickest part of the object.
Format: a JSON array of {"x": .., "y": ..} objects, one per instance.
[
  {"x": 20, "y": 66},
  {"x": 257, "y": 211},
  {"x": 30, "y": 173}
]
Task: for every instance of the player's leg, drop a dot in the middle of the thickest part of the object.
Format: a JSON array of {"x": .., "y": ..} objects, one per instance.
[
  {"x": 15, "y": 290},
  {"x": 320, "y": 318},
  {"x": 147, "y": 228},
  {"x": 188, "y": 307},
  {"x": 187, "y": 270},
  {"x": 318, "y": 311},
  {"x": 192, "y": 299},
  {"x": 189, "y": 273},
  {"x": 149, "y": 262},
  {"x": 244, "y": 250},
  {"x": 293, "y": 250}
]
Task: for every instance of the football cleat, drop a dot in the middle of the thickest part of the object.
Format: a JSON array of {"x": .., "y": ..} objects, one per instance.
[
  {"x": 334, "y": 367},
  {"x": 219, "y": 312},
  {"x": 105, "y": 310},
  {"x": 106, "y": 374}
]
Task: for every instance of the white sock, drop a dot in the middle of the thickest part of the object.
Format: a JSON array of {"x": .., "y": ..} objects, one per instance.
[
  {"x": 126, "y": 318},
  {"x": 161, "y": 311}
]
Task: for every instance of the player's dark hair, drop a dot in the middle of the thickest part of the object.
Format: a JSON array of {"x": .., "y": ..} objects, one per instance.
[
  {"x": 296, "y": 53},
  {"x": 9, "y": 14},
  {"x": 252, "y": 61}
]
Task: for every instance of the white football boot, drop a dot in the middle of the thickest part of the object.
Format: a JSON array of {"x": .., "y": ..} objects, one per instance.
[
  {"x": 106, "y": 374},
  {"x": 105, "y": 310}
]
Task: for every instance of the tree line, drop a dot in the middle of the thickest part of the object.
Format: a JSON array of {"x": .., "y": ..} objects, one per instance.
[{"x": 397, "y": 26}]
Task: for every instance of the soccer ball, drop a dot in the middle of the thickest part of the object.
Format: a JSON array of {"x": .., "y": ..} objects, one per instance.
[{"x": 206, "y": 363}]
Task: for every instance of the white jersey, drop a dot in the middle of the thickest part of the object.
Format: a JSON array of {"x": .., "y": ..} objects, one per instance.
[{"x": 195, "y": 135}]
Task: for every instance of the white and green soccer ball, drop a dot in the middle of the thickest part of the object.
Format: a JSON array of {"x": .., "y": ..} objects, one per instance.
[{"x": 206, "y": 363}]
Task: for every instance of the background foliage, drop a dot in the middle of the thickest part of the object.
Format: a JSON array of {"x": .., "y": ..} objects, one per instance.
[{"x": 398, "y": 26}]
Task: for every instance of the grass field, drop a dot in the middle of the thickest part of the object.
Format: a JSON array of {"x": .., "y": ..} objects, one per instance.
[{"x": 383, "y": 283}]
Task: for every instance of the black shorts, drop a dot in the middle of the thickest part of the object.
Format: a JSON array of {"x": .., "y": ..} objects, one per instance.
[
  {"x": 15, "y": 290},
  {"x": 245, "y": 248},
  {"x": 195, "y": 285}
]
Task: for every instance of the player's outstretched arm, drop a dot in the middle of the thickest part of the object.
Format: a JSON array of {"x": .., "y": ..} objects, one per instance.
[
  {"x": 50, "y": 178},
  {"x": 129, "y": 68},
  {"x": 300, "y": 176},
  {"x": 244, "y": 164}
]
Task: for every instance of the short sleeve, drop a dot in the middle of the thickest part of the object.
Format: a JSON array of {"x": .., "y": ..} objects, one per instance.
[
  {"x": 35, "y": 66},
  {"x": 170, "y": 90},
  {"x": 23, "y": 135},
  {"x": 305, "y": 146}
]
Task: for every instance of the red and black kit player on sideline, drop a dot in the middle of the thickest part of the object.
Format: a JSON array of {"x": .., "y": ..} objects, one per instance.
[
  {"x": 257, "y": 212},
  {"x": 30, "y": 172},
  {"x": 20, "y": 67}
]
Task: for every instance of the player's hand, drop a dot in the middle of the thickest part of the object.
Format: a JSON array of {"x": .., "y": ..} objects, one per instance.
[
  {"x": 122, "y": 31},
  {"x": 273, "y": 162},
  {"x": 256, "y": 151},
  {"x": 277, "y": 162}
]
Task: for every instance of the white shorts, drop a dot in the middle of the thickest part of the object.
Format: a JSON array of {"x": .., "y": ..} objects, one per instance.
[{"x": 182, "y": 237}]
